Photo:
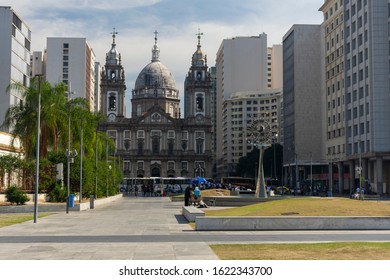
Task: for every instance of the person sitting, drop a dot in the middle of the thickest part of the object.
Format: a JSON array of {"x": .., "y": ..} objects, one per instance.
[{"x": 197, "y": 192}]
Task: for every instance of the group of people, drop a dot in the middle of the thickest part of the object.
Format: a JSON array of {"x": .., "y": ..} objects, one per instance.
[{"x": 192, "y": 195}]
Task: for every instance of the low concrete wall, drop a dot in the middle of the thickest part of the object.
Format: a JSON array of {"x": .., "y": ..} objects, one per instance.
[
  {"x": 230, "y": 201},
  {"x": 292, "y": 223},
  {"x": 57, "y": 207},
  {"x": 191, "y": 213}
]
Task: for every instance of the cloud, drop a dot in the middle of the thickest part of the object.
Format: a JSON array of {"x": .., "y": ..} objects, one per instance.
[{"x": 176, "y": 20}]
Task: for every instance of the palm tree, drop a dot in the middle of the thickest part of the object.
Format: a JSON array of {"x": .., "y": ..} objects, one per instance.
[{"x": 21, "y": 119}]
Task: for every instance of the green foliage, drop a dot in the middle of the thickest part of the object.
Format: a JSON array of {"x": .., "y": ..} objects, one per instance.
[
  {"x": 15, "y": 195},
  {"x": 247, "y": 166},
  {"x": 57, "y": 193}
]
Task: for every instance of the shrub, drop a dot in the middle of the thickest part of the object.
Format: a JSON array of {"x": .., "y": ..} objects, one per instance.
[
  {"x": 57, "y": 193},
  {"x": 15, "y": 195}
]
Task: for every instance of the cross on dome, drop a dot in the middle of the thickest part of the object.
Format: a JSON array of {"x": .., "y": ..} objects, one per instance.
[{"x": 113, "y": 35}]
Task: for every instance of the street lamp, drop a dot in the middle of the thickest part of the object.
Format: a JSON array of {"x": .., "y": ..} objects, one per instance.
[
  {"x": 261, "y": 133},
  {"x": 81, "y": 163},
  {"x": 37, "y": 151},
  {"x": 69, "y": 154},
  {"x": 274, "y": 141},
  {"x": 311, "y": 173}
]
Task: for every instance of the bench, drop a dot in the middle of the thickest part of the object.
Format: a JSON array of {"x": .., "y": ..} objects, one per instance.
[
  {"x": 190, "y": 213},
  {"x": 194, "y": 201}
]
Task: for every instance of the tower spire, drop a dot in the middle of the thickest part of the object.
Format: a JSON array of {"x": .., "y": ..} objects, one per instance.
[
  {"x": 114, "y": 33},
  {"x": 199, "y": 34},
  {"x": 156, "y": 49}
]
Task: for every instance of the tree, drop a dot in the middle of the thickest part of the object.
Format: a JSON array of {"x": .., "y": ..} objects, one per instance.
[
  {"x": 248, "y": 165},
  {"x": 21, "y": 119}
]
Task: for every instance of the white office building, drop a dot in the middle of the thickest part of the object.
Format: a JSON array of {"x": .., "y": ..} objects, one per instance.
[
  {"x": 72, "y": 61},
  {"x": 239, "y": 112},
  {"x": 15, "y": 42},
  {"x": 244, "y": 64}
]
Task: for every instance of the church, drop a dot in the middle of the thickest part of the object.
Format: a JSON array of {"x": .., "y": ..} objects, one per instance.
[{"x": 156, "y": 141}]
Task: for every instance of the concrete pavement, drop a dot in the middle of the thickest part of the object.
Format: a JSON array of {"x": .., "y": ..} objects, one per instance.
[{"x": 140, "y": 228}]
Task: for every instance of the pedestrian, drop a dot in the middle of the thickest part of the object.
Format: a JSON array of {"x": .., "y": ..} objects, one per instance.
[{"x": 187, "y": 196}]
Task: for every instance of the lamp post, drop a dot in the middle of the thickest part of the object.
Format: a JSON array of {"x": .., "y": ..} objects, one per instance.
[
  {"x": 96, "y": 160},
  {"x": 311, "y": 172},
  {"x": 69, "y": 154},
  {"x": 261, "y": 133},
  {"x": 81, "y": 163},
  {"x": 274, "y": 141},
  {"x": 37, "y": 151},
  {"x": 107, "y": 166}
]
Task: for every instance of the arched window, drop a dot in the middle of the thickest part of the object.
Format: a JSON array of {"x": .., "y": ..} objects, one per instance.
[
  {"x": 139, "y": 110},
  {"x": 170, "y": 147},
  {"x": 112, "y": 103},
  {"x": 199, "y": 103},
  {"x": 156, "y": 145}
]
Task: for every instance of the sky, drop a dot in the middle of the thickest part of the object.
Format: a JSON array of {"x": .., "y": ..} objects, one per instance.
[{"x": 177, "y": 22}]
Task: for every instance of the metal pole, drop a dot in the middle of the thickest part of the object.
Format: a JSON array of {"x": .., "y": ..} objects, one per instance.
[
  {"x": 68, "y": 158},
  {"x": 296, "y": 172},
  {"x": 260, "y": 185},
  {"x": 81, "y": 164},
  {"x": 275, "y": 162},
  {"x": 106, "y": 168},
  {"x": 361, "y": 170},
  {"x": 311, "y": 172},
  {"x": 37, "y": 152},
  {"x": 96, "y": 160}
]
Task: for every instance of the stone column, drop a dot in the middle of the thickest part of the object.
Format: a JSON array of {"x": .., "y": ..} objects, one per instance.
[
  {"x": 340, "y": 166},
  {"x": 379, "y": 175},
  {"x": 351, "y": 176}
]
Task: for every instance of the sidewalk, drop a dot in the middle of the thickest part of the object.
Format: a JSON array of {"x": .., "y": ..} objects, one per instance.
[
  {"x": 142, "y": 228},
  {"x": 130, "y": 228}
]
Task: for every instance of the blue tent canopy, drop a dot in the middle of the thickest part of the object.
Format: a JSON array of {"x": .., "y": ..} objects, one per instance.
[{"x": 199, "y": 180}]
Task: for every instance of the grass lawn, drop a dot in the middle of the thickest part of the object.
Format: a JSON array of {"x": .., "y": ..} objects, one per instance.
[
  {"x": 306, "y": 251},
  {"x": 7, "y": 219},
  {"x": 316, "y": 251},
  {"x": 321, "y": 206}
]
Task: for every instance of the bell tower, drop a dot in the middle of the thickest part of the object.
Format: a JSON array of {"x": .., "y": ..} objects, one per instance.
[
  {"x": 113, "y": 84},
  {"x": 197, "y": 86}
]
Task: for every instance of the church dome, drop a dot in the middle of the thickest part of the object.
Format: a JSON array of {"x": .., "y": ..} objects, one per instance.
[
  {"x": 155, "y": 79},
  {"x": 155, "y": 74}
]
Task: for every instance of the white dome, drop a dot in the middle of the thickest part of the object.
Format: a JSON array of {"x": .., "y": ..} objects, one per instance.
[{"x": 155, "y": 75}]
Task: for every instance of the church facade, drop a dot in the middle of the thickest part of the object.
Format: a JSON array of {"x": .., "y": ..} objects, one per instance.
[{"x": 156, "y": 141}]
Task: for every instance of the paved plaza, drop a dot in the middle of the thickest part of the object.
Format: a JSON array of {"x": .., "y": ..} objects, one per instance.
[{"x": 139, "y": 228}]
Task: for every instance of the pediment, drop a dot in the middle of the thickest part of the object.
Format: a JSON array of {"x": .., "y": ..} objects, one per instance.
[{"x": 156, "y": 115}]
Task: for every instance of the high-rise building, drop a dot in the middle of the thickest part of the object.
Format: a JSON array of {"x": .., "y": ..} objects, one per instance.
[
  {"x": 238, "y": 115},
  {"x": 302, "y": 88},
  {"x": 333, "y": 90},
  {"x": 366, "y": 79},
  {"x": 72, "y": 61},
  {"x": 244, "y": 64},
  {"x": 15, "y": 42},
  {"x": 275, "y": 67}
]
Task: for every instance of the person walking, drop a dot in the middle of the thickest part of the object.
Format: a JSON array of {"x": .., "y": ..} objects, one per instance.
[{"x": 187, "y": 196}]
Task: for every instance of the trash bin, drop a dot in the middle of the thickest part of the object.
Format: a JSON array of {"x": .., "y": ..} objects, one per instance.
[
  {"x": 91, "y": 202},
  {"x": 71, "y": 201}
]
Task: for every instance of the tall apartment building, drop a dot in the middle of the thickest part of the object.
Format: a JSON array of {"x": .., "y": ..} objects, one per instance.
[
  {"x": 15, "y": 42},
  {"x": 97, "y": 93},
  {"x": 275, "y": 67},
  {"x": 244, "y": 64},
  {"x": 302, "y": 84},
  {"x": 72, "y": 61},
  {"x": 333, "y": 90},
  {"x": 239, "y": 112},
  {"x": 366, "y": 70}
]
